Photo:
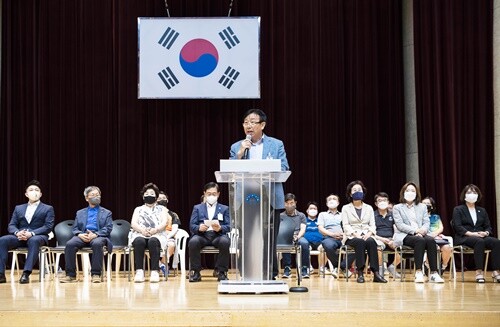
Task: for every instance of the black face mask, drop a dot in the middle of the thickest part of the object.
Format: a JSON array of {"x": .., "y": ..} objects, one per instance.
[
  {"x": 163, "y": 203},
  {"x": 150, "y": 199}
]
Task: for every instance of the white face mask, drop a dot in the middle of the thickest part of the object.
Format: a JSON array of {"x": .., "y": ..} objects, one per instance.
[
  {"x": 332, "y": 204},
  {"x": 410, "y": 196},
  {"x": 34, "y": 195},
  {"x": 313, "y": 212},
  {"x": 211, "y": 199},
  {"x": 383, "y": 205},
  {"x": 471, "y": 197}
]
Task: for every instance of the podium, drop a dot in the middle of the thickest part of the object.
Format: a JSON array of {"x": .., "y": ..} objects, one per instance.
[{"x": 251, "y": 199}]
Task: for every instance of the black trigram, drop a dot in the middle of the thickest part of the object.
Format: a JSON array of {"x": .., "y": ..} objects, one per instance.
[
  {"x": 168, "y": 78},
  {"x": 229, "y": 38},
  {"x": 168, "y": 38},
  {"x": 229, "y": 77}
]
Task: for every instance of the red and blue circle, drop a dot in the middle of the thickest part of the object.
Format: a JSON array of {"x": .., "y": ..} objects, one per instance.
[{"x": 199, "y": 57}]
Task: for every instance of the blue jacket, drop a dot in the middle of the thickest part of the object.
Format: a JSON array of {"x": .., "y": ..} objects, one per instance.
[
  {"x": 272, "y": 148},
  {"x": 41, "y": 223},
  {"x": 200, "y": 214}
]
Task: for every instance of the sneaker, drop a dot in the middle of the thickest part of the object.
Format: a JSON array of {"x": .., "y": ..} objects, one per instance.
[
  {"x": 163, "y": 270},
  {"x": 419, "y": 277},
  {"x": 347, "y": 273},
  {"x": 393, "y": 272},
  {"x": 68, "y": 279},
  {"x": 287, "y": 272},
  {"x": 155, "y": 277},
  {"x": 305, "y": 272},
  {"x": 311, "y": 270},
  {"x": 323, "y": 270},
  {"x": 96, "y": 279},
  {"x": 139, "y": 276},
  {"x": 335, "y": 272},
  {"x": 435, "y": 278}
]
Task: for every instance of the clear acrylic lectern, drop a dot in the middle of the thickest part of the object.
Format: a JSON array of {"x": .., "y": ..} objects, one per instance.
[{"x": 251, "y": 195}]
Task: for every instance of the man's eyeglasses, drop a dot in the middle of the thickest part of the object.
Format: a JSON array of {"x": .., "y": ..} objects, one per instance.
[{"x": 251, "y": 123}]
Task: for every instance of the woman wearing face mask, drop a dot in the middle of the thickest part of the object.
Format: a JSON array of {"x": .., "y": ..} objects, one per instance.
[
  {"x": 436, "y": 230},
  {"x": 412, "y": 228},
  {"x": 148, "y": 232},
  {"x": 358, "y": 222},
  {"x": 472, "y": 228}
]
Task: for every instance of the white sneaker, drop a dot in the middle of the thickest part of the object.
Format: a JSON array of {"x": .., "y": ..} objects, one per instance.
[
  {"x": 335, "y": 272},
  {"x": 419, "y": 277},
  {"x": 311, "y": 270},
  {"x": 155, "y": 277},
  {"x": 435, "y": 278},
  {"x": 139, "y": 276},
  {"x": 347, "y": 273},
  {"x": 393, "y": 272}
]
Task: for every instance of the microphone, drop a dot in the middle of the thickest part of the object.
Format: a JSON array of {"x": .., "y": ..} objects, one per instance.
[{"x": 245, "y": 153}]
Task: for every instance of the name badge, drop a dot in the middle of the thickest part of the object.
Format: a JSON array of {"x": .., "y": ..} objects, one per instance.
[{"x": 220, "y": 217}]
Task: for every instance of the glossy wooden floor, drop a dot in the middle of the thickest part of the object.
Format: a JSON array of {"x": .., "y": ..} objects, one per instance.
[{"x": 178, "y": 302}]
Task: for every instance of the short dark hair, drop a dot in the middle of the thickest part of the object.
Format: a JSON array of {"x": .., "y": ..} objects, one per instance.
[
  {"x": 433, "y": 203},
  {"x": 163, "y": 192},
  {"x": 33, "y": 182},
  {"x": 210, "y": 185},
  {"x": 290, "y": 196},
  {"x": 335, "y": 195},
  {"x": 403, "y": 189},
  {"x": 380, "y": 195},
  {"x": 314, "y": 203},
  {"x": 258, "y": 112},
  {"x": 349, "y": 187},
  {"x": 474, "y": 188},
  {"x": 150, "y": 186}
]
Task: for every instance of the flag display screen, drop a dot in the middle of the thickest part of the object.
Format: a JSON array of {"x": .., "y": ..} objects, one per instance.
[{"x": 199, "y": 58}]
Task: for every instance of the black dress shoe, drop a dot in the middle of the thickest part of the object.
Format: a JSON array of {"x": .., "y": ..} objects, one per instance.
[
  {"x": 3, "y": 279},
  {"x": 361, "y": 278},
  {"x": 378, "y": 278},
  {"x": 194, "y": 276},
  {"x": 25, "y": 279},
  {"x": 222, "y": 275}
]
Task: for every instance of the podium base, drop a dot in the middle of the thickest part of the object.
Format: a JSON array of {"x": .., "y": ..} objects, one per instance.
[
  {"x": 252, "y": 287},
  {"x": 299, "y": 289}
]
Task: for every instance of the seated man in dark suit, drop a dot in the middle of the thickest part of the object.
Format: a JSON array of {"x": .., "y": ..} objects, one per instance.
[
  {"x": 29, "y": 227},
  {"x": 92, "y": 228},
  {"x": 209, "y": 225}
]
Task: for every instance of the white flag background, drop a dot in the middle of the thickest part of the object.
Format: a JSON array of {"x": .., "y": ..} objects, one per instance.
[{"x": 199, "y": 57}]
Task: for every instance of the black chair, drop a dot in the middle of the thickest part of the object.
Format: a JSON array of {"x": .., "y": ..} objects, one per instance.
[
  {"x": 286, "y": 244},
  {"x": 64, "y": 232},
  {"x": 119, "y": 239}
]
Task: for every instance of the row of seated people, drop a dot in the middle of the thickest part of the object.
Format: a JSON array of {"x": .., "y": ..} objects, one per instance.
[
  {"x": 153, "y": 227},
  {"x": 412, "y": 222},
  {"x": 358, "y": 225}
]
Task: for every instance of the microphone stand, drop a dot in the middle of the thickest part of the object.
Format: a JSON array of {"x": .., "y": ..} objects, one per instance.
[{"x": 298, "y": 288}]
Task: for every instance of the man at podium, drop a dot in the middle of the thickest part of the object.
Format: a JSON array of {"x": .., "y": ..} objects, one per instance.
[{"x": 258, "y": 145}]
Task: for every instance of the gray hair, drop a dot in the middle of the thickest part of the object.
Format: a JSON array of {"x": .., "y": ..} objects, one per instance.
[{"x": 89, "y": 189}]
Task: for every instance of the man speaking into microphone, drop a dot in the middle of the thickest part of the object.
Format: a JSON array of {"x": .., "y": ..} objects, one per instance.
[{"x": 257, "y": 145}]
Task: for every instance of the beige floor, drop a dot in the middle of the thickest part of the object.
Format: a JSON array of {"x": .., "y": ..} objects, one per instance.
[{"x": 178, "y": 302}]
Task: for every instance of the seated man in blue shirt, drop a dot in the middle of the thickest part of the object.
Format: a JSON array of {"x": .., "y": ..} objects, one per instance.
[{"x": 92, "y": 228}]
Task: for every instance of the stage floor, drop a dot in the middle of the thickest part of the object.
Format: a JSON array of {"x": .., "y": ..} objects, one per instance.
[{"x": 178, "y": 302}]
